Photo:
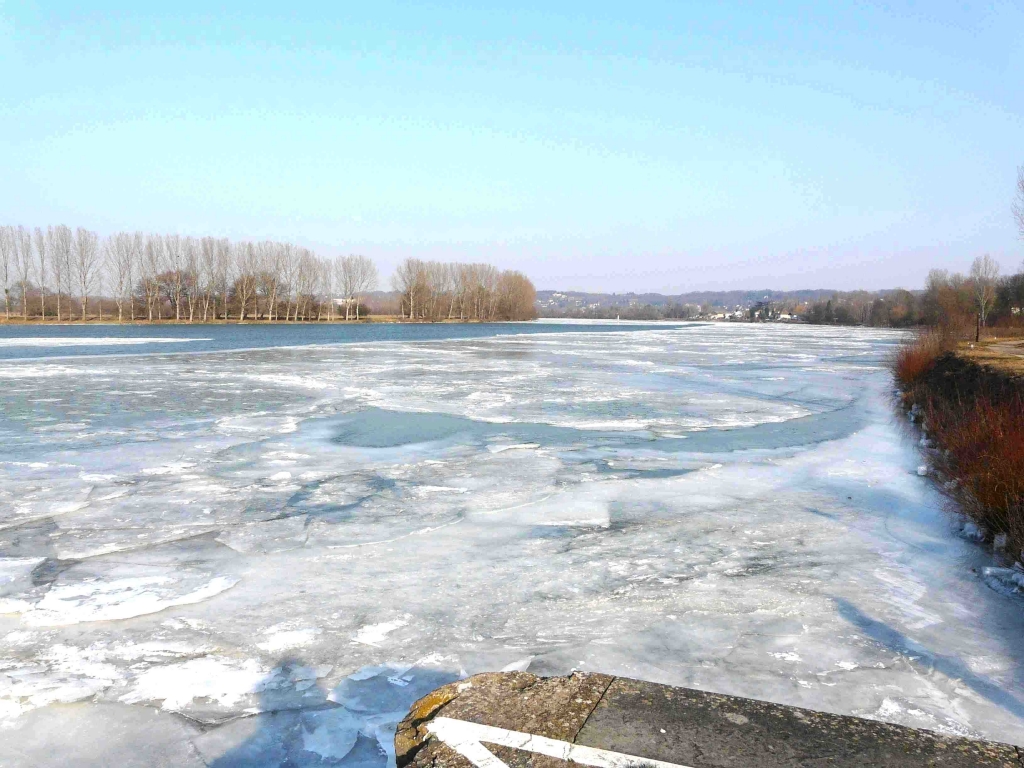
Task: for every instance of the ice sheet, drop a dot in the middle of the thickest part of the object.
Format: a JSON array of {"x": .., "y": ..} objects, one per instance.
[
  {"x": 95, "y": 341},
  {"x": 289, "y": 546}
]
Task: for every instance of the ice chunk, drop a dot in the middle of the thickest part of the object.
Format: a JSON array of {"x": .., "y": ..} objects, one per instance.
[
  {"x": 283, "y": 638},
  {"x": 514, "y": 447},
  {"x": 374, "y": 634},
  {"x": 1005, "y": 580},
  {"x": 266, "y": 536},
  {"x": 16, "y": 573},
  {"x": 518, "y": 666},
  {"x": 331, "y": 733},
  {"x": 223, "y": 680},
  {"x": 100, "y": 735},
  {"x": 973, "y": 531},
  {"x": 121, "y": 598}
]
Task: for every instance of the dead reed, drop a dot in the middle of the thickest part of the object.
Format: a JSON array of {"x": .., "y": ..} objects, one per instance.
[{"x": 975, "y": 417}]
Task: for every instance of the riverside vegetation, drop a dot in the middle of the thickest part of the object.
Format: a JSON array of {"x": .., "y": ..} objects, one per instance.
[
  {"x": 64, "y": 275},
  {"x": 968, "y": 399},
  {"x": 963, "y": 379}
]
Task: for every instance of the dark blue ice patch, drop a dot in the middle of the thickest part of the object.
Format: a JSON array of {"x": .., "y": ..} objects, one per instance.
[{"x": 378, "y": 428}]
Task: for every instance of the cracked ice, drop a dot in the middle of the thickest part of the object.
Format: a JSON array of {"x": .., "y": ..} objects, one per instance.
[{"x": 272, "y": 552}]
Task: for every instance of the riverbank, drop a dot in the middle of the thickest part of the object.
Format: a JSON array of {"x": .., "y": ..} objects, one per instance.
[
  {"x": 35, "y": 321},
  {"x": 968, "y": 401}
]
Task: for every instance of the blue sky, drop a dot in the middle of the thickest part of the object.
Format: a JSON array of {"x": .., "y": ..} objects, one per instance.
[{"x": 604, "y": 146}]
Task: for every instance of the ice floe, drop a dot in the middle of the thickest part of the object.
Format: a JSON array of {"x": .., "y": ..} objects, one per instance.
[{"x": 288, "y": 546}]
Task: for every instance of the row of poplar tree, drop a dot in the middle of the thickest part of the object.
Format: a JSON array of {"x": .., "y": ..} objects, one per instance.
[{"x": 67, "y": 274}]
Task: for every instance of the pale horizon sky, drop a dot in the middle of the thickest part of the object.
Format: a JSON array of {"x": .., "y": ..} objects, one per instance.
[{"x": 653, "y": 146}]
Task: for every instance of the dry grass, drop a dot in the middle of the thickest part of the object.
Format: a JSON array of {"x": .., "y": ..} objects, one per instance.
[
  {"x": 1005, "y": 355},
  {"x": 916, "y": 357},
  {"x": 982, "y": 459}
]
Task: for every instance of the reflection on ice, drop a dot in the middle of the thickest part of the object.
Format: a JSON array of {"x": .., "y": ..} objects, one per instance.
[
  {"x": 91, "y": 341},
  {"x": 274, "y": 552}
]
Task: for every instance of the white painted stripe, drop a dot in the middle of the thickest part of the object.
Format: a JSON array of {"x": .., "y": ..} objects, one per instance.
[{"x": 466, "y": 738}]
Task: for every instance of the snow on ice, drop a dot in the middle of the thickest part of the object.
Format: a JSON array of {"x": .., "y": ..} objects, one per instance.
[{"x": 288, "y": 545}]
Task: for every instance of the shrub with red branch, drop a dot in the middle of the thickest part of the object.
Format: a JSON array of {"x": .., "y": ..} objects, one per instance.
[{"x": 975, "y": 416}]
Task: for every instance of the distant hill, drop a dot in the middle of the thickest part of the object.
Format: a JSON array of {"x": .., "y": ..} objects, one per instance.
[
  {"x": 725, "y": 299},
  {"x": 764, "y": 303}
]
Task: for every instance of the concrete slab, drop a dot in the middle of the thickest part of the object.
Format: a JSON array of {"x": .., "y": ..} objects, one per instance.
[
  {"x": 554, "y": 707},
  {"x": 521, "y": 720}
]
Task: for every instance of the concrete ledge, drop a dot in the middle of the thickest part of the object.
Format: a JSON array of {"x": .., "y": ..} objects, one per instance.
[{"x": 517, "y": 719}]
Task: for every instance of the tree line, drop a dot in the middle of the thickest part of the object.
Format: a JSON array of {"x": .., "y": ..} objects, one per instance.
[
  {"x": 434, "y": 290},
  {"x": 956, "y": 302},
  {"x": 64, "y": 274}
]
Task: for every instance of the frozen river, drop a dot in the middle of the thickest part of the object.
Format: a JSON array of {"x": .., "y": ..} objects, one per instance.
[{"x": 212, "y": 555}]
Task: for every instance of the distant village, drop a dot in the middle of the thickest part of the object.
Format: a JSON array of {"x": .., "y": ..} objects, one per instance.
[
  {"x": 730, "y": 306},
  {"x": 633, "y": 307},
  {"x": 980, "y": 296}
]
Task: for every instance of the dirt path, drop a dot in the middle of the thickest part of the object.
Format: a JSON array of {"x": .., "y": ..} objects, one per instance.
[{"x": 1006, "y": 355}]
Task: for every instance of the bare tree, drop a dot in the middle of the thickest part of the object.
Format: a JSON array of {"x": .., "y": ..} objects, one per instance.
[
  {"x": 246, "y": 267},
  {"x": 984, "y": 276},
  {"x": 453, "y": 282},
  {"x": 337, "y": 286},
  {"x": 289, "y": 281},
  {"x": 190, "y": 278},
  {"x": 135, "y": 270},
  {"x": 268, "y": 267},
  {"x": 516, "y": 297},
  {"x": 223, "y": 266},
  {"x": 120, "y": 257},
  {"x": 7, "y": 265},
  {"x": 42, "y": 259},
  {"x": 283, "y": 253},
  {"x": 464, "y": 278},
  {"x": 110, "y": 263},
  {"x": 152, "y": 266},
  {"x": 85, "y": 264},
  {"x": 364, "y": 278},
  {"x": 62, "y": 246},
  {"x": 475, "y": 290},
  {"x": 207, "y": 274},
  {"x": 436, "y": 275},
  {"x": 195, "y": 275},
  {"x": 174, "y": 253},
  {"x": 410, "y": 281},
  {"x": 99, "y": 284},
  {"x": 307, "y": 280},
  {"x": 322, "y": 286},
  {"x": 1018, "y": 202},
  {"x": 344, "y": 281},
  {"x": 480, "y": 284},
  {"x": 23, "y": 247},
  {"x": 303, "y": 257}
]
